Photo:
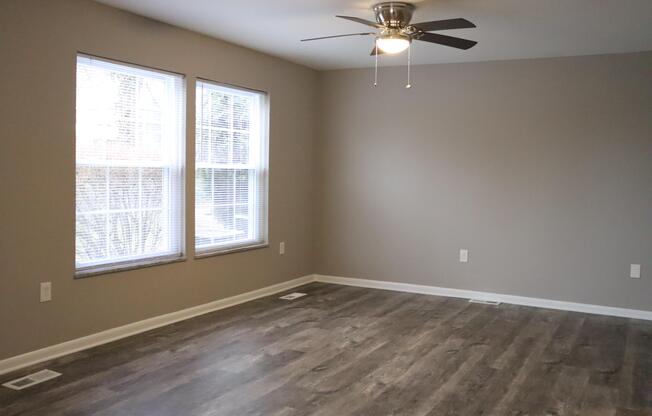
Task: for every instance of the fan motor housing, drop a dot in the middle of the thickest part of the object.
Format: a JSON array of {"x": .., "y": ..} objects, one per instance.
[{"x": 393, "y": 15}]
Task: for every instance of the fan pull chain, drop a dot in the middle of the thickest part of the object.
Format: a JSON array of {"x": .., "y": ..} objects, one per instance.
[
  {"x": 376, "y": 65},
  {"x": 408, "y": 85}
]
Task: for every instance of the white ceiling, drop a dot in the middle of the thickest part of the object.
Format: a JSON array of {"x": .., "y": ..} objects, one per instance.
[{"x": 507, "y": 29}]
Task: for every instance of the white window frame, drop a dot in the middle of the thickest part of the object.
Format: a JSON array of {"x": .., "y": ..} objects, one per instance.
[
  {"x": 261, "y": 176},
  {"x": 176, "y": 205}
]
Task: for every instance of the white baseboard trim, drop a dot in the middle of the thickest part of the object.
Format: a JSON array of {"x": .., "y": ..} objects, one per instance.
[
  {"x": 496, "y": 297},
  {"x": 48, "y": 353}
]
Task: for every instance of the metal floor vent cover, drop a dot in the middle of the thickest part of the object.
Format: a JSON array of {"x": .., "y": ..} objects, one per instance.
[
  {"x": 292, "y": 296},
  {"x": 485, "y": 302},
  {"x": 31, "y": 379}
]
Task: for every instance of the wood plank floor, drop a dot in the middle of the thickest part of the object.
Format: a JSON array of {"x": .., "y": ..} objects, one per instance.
[{"x": 354, "y": 351}]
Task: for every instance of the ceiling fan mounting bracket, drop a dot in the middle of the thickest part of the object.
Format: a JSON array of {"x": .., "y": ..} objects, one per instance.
[{"x": 392, "y": 14}]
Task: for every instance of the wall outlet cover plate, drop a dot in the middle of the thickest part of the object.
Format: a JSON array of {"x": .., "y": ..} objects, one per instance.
[{"x": 635, "y": 271}]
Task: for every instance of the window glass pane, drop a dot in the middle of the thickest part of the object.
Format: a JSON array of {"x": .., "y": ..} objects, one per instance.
[
  {"x": 91, "y": 191},
  {"x": 220, "y": 143},
  {"x": 151, "y": 182},
  {"x": 124, "y": 189},
  {"x": 220, "y": 109},
  {"x": 129, "y": 131},
  {"x": 152, "y": 230},
  {"x": 242, "y": 180},
  {"x": 241, "y": 113},
  {"x": 231, "y": 168},
  {"x": 91, "y": 241},
  {"x": 202, "y": 151},
  {"x": 240, "y": 147},
  {"x": 223, "y": 186},
  {"x": 124, "y": 233}
]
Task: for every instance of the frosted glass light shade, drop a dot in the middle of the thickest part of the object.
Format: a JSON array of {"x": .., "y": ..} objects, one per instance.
[{"x": 392, "y": 45}]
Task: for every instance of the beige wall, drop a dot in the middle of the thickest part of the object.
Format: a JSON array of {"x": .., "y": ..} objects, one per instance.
[
  {"x": 38, "y": 44},
  {"x": 541, "y": 168}
]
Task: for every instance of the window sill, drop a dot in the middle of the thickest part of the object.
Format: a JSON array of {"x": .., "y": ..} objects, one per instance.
[
  {"x": 220, "y": 252},
  {"x": 115, "y": 268}
]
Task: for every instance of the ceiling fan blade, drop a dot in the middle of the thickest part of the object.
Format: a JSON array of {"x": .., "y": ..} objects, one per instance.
[
  {"x": 444, "y": 25},
  {"x": 339, "y": 36},
  {"x": 363, "y": 21},
  {"x": 458, "y": 43},
  {"x": 376, "y": 51}
]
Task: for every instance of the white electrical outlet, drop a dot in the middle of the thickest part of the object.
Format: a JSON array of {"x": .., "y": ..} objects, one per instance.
[
  {"x": 46, "y": 291},
  {"x": 635, "y": 271},
  {"x": 281, "y": 248},
  {"x": 464, "y": 256}
]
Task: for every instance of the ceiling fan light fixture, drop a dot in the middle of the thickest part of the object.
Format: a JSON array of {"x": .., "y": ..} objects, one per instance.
[{"x": 393, "y": 43}]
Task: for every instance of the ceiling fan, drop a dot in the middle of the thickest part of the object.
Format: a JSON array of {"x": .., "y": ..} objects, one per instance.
[{"x": 395, "y": 33}]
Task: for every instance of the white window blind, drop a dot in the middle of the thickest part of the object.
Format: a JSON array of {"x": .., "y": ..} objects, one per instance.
[
  {"x": 230, "y": 168},
  {"x": 129, "y": 154}
]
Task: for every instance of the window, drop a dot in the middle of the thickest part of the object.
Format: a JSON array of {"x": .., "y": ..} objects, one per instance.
[
  {"x": 129, "y": 196},
  {"x": 230, "y": 169}
]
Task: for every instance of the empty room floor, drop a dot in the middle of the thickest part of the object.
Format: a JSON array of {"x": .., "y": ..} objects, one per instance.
[{"x": 354, "y": 351}]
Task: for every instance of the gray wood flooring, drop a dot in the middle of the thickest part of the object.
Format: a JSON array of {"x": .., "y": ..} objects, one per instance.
[{"x": 353, "y": 351}]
